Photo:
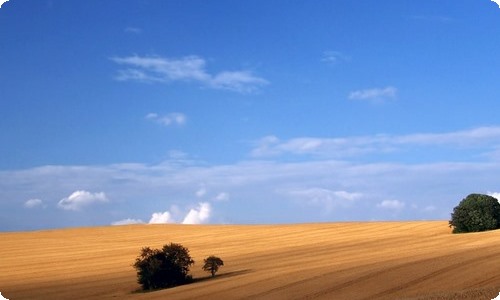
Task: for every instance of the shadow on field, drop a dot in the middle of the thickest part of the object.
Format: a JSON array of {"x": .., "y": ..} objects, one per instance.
[
  {"x": 223, "y": 275},
  {"x": 196, "y": 280}
]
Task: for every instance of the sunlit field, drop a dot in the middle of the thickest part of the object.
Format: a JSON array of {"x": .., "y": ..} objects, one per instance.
[{"x": 371, "y": 260}]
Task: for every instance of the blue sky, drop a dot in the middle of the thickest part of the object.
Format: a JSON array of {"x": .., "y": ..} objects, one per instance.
[{"x": 150, "y": 111}]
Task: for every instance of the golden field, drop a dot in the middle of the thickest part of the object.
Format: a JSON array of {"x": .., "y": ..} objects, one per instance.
[{"x": 369, "y": 260}]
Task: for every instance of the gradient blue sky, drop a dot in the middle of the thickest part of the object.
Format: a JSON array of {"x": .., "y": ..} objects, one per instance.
[{"x": 116, "y": 112}]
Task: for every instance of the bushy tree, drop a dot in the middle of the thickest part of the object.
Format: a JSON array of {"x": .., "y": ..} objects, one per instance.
[
  {"x": 212, "y": 264},
  {"x": 163, "y": 268},
  {"x": 474, "y": 213}
]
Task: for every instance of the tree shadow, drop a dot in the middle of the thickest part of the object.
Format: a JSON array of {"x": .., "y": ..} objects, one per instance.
[
  {"x": 196, "y": 280},
  {"x": 222, "y": 275}
]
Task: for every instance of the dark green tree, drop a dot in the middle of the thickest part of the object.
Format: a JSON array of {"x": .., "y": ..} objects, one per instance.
[
  {"x": 163, "y": 268},
  {"x": 475, "y": 213},
  {"x": 212, "y": 264}
]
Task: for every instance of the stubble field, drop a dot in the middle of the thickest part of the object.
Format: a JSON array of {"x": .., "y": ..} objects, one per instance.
[{"x": 370, "y": 260}]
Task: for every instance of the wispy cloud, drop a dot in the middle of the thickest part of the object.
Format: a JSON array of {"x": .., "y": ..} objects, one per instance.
[
  {"x": 326, "y": 198},
  {"x": 222, "y": 197},
  {"x": 375, "y": 94},
  {"x": 333, "y": 57},
  {"x": 168, "y": 119},
  {"x": 79, "y": 199},
  {"x": 133, "y": 30},
  {"x": 432, "y": 18},
  {"x": 487, "y": 138},
  {"x": 288, "y": 190},
  {"x": 391, "y": 204},
  {"x": 128, "y": 222},
  {"x": 188, "y": 69},
  {"x": 32, "y": 203}
]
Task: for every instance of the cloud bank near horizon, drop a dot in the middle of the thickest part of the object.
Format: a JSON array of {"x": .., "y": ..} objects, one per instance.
[{"x": 330, "y": 183}]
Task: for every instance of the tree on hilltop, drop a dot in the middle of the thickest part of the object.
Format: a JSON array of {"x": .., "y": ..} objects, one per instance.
[{"x": 475, "y": 213}]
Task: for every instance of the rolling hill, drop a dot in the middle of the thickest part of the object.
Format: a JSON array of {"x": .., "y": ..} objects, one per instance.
[{"x": 368, "y": 260}]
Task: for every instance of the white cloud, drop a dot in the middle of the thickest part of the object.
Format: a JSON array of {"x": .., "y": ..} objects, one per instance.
[
  {"x": 222, "y": 197},
  {"x": 189, "y": 69},
  {"x": 168, "y": 119},
  {"x": 128, "y": 222},
  {"x": 495, "y": 195},
  {"x": 429, "y": 208},
  {"x": 432, "y": 18},
  {"x": 2, "y": 2},
  {"x": 240, "y": 81},
  {"x": 133, "y": 30},
  {"x": 391, "y": 204},
  {"x": 32, "y": 203},
  {"x": 333, "y": 57},
  {"x": 2, "y": 297},
  {"x": 79, "y": 199},
  {"x": 325, "y": 197},
  {"x": 340, "y": 147},
  {"x": 198, "y": 215},
  {"x": 498, "y": 3},
  {"x": 264, "y": 185},
  {"x": 161, "y": 218},
  {"x": 376, "y": 94},
  {"x": 201, "y": 192}
]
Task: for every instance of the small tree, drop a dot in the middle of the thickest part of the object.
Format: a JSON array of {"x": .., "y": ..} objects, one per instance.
[
  {"x": 476, "y": 212},
  {"x": 212, "y": 264},
  {"x": 163, "y": 268}
]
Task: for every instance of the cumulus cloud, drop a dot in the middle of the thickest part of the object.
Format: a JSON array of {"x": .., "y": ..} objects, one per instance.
[
  {"x": 161, "y": 218},
  {"x": 376, "y": 94},
  {"x": 198, "y": 215},
  {"x": 188, "y": 69},
  {"x": 168, "y": 119},
  {"x": 32, "y": 203},
  {"x": 79, "y": 199},
  {"x": 391, "y": 204},
  {"x": 128, "y": 221}
]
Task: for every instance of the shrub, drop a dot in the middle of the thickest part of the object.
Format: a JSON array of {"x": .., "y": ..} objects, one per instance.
[
  {"x": 163, "y": 268},
  {"x": 212, "y": 264},
  {"x": 476, "y": 212}
]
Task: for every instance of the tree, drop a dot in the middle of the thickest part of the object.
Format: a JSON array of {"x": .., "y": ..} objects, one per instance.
[
  {"x": 474, "y": 213},
  {"x": 163, "y": 268},
  {"x": 212, "y": 264}
]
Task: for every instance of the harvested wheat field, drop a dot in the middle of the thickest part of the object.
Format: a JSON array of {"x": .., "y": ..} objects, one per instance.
[{"x": 372, "y": 260}]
